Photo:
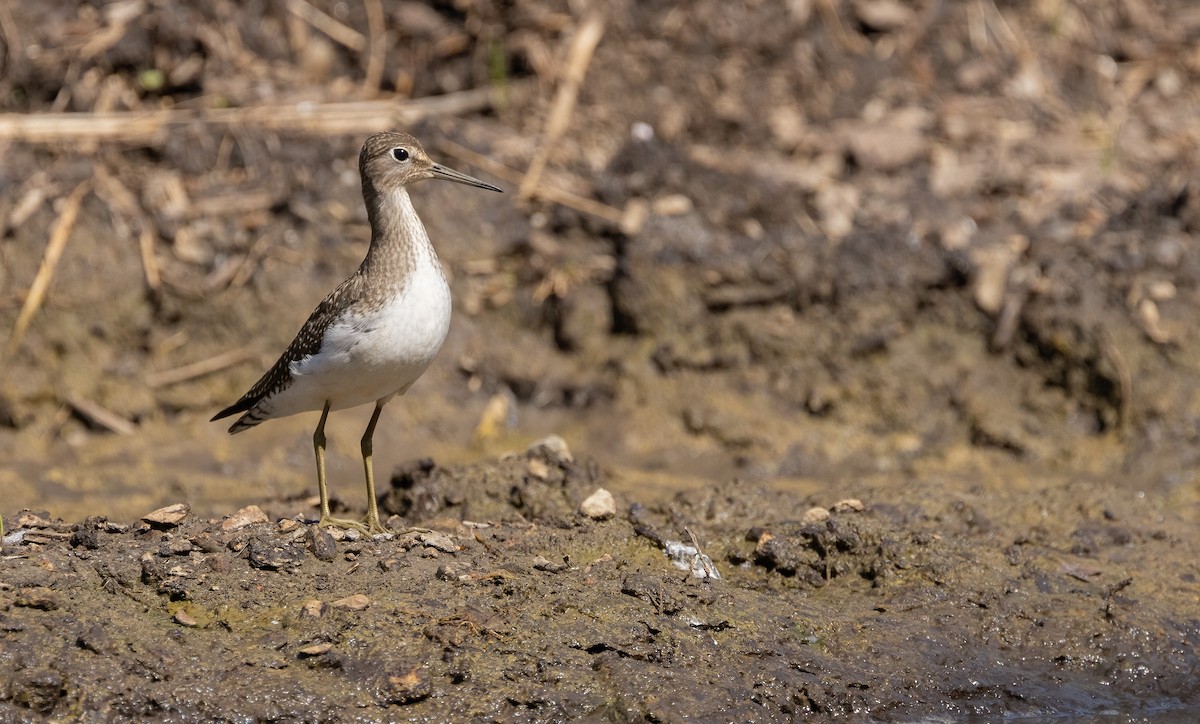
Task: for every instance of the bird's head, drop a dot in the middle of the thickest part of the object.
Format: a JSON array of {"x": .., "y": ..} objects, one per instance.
[{"x": 393, "y": 160}]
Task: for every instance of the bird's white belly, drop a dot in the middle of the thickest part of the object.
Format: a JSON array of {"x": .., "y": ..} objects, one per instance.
[{"x": 376, "y": 354}]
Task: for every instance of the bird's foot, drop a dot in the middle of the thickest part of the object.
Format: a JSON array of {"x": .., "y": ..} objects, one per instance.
[
  {"x": 374, "y": 527},
  {"x": 328, "y": 521}
]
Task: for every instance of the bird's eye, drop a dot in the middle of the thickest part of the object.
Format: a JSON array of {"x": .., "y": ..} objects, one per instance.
[{"x": 400, "y": 154}]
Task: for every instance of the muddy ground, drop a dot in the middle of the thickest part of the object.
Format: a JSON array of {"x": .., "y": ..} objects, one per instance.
[{"x": 886, "y": 307}]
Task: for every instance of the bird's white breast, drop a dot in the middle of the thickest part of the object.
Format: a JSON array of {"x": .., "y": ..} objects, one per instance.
[{"x": 380, "y": 352}]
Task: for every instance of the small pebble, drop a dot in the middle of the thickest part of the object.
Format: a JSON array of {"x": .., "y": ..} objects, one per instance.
[
  {"x": 600, "y": 505},
  {"x": 541, "y": 563},
  {"x": 537, "y": 469},
  {"x": 689, "y": 558},
  {"x": 271, "y": 555},
  {"x": 180, "y": 546},
  {"x": 249, "y": 515},
  {"x": 316, "y": 649},
  {"x": 85, "y": 538},
  {"x": 553, "y": 448},
  {"x": 439, "y": 541},
  {"x": 168, "y": 517},
  {"x": 884, "y": 15},
  {"x": 208, "y": 544},
  {"x": 357, "y": 602},
  {"x": 849, "y": 505},
  {"x": 641, "y": 131},
  {"x": 672, "y": 205},
  {"x": 183, "y": 618},
  {"x": 408, "y": 687},
  {"x": 321, "y": 544},
  {"x": 287, "y": 525},
  {"x": 815, "y": 515},
  {"x": 312, "y": 608},
  {"x": 29, "y": 519}
]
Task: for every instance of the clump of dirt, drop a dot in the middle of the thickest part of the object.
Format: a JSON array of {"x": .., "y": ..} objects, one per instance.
[{"x": 899, "y": 607}]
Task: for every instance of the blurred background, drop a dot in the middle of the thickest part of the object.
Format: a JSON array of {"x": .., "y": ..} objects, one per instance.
[{"x": 800, "y": 243}]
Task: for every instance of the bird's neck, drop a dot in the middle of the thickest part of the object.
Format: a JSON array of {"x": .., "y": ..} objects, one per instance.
[{"x": 398, "y": 239}]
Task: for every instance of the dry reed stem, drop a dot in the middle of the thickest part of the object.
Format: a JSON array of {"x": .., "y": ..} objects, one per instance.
[
  {"x": 377, "y": 47},
  {"x": 126, "y": 210},
  {"x": 548, "y": 193},
  {"x": 232, "y": 204},
  {"x": 29, "y": 202},
  {"x": 119, "y": 15},
  {"x": 41, "y": 280},
  {"x": 702, "y": 559},
  {"x": 338, "y": 31},
  {"x": 583, "y": 45},
  {"x": 149, "y": 259},
  {"x": 237, "y": 270},
  {"x": 852, "y": 42},
  {"x": 101, "y": 416},
  {"x": 13, "y": 42},
  {"x": 199, "y": 369},
  {"x": 151, "y": 127}
]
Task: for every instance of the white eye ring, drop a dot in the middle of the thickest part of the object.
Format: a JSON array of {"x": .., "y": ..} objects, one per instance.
[{"x": 400, "y": 154}]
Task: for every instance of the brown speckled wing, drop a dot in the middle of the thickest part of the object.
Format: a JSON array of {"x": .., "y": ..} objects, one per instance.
[{"x": 307, "y": 343}]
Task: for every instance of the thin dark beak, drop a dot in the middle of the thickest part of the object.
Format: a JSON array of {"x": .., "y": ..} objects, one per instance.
[{"x": 448, "y": 174}]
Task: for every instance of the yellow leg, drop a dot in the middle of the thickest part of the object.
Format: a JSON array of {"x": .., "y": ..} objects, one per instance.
[
  {"x": 322, "y": 488},
  {"x": 372, "y": 521}
]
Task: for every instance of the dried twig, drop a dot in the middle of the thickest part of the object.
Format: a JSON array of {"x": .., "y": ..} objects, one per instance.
[
  {"x": 13, "y": 41},
  {"x": 237, "y": 270},
  {"x": 199, "y": 369},
  {"x": 29, "y": 202},
  {"x": 121, "y": 201},
  {"x": 231, "y": 204},
  {"x": 54, "y": 251},
  {"x": 703, "y": 560},
  {"x": 119, "y": 15},
  {"x": 377, "y": 47},
  {"x": 340, "y": 32},
  {"x": 149, "y": 259},
  {"x": 583, "y": 45},
  {"x": 1009, "y": 319},
  {"x": 124, "y": 207},
  {"x": 549, "y": 193},
  {"x": 852, "y": 42},
  {"x": 101, "y": 416},
  {"x": 151, "y": 127}
]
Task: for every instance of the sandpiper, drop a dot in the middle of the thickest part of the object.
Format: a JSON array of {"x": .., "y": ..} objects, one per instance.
[{"x": 374, "y": 335}]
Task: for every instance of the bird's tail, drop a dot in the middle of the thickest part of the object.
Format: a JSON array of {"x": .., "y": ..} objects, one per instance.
[{"x": 252, "y": 416}]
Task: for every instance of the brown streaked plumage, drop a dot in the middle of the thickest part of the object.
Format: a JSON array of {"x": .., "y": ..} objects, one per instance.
[
  {"x": 306, "y": 344},
  {"x": 374, "y": 335}
]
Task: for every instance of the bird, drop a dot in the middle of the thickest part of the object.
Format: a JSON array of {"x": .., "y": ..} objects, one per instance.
[{"x": 376, "y": 333}]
